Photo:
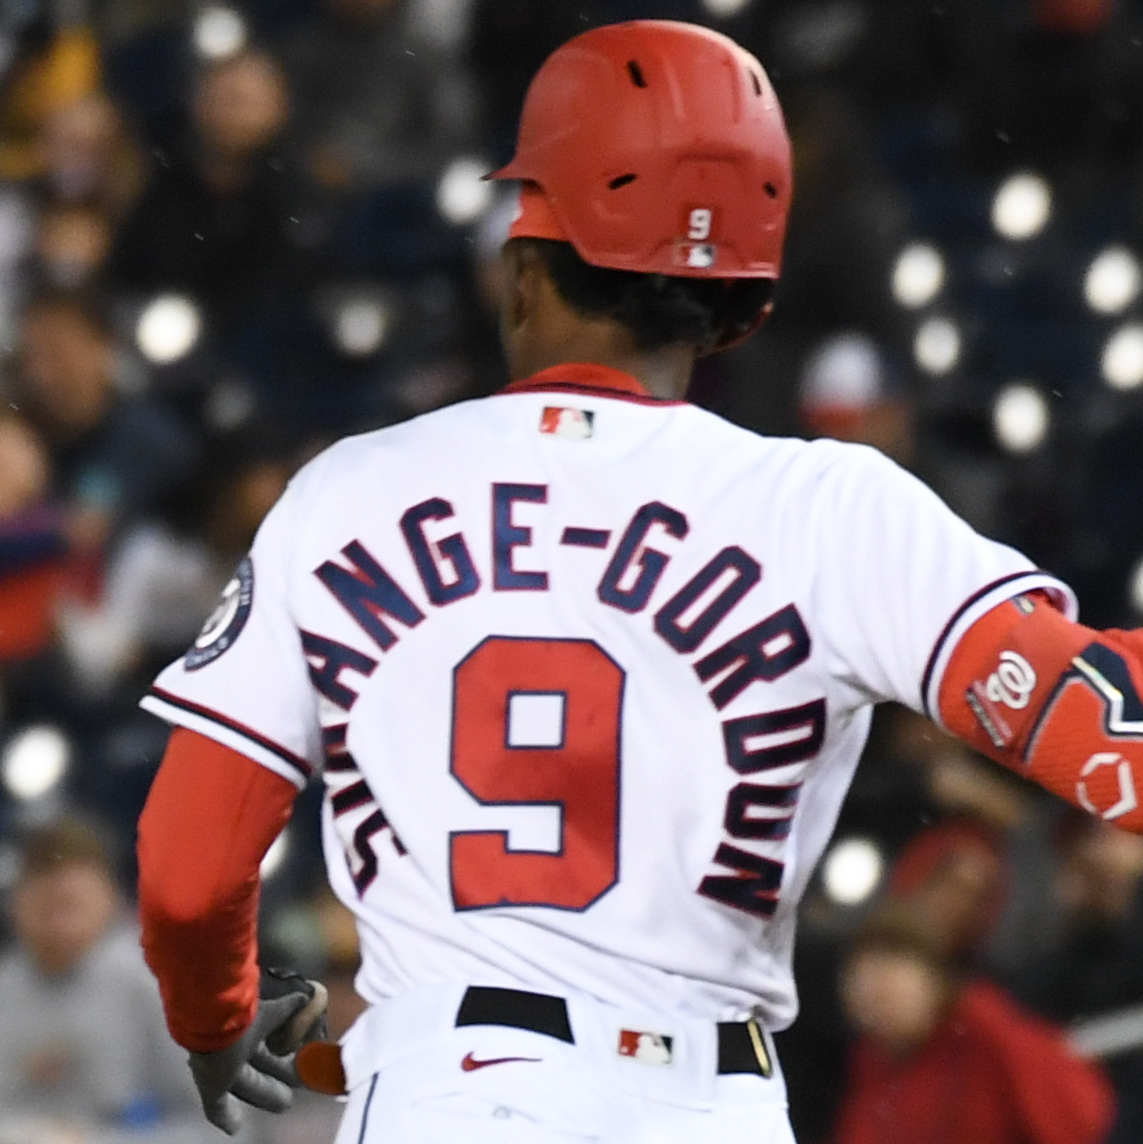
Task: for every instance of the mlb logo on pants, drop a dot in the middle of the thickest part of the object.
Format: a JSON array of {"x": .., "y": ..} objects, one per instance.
[{"x": 649, "y": 1048}]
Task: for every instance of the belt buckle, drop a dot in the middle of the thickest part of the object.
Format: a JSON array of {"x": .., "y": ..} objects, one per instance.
[{"x": 758, "y": 1043}]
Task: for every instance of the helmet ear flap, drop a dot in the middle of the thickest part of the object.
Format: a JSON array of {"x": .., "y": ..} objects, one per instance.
[{"x": 660, "y": 147}]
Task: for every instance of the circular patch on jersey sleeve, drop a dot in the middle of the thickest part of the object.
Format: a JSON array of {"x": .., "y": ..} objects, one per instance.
[{"x": 226, "y": 622}]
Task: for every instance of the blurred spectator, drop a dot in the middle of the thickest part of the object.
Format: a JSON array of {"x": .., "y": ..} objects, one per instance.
[
  {"x": 375, "y": 104},
  {"x": 54, "y": 68},
  {"x": 83, "y": 1046},
  {"x": 88, "y": 157},
  {"x": 31, "y": 542},
  {"x": 953, "y": 878},
  {"x": 1089, "y": 967},
  {"x": 914, "y": 775},
  {"x": 943, "y": 1059},
  {"x": 79, "y": 156},
  {"x": 164, "y": 577},
  {"x": 846, "y": 392},
  {"x": 218, "y": 216},
  {"x": 1100, "y": 879},
  {"x": 57, "y": 225},
  {"x": 17, "y": 229},
  {"x": 247, "y": 477},
  {"x": 846, "y": 223},
  {"x": 24, "y": 468},
  {"x": 71, "y": 245},
  {"x": 952, "y": 822},
  {"x": 114, "y": 458}
]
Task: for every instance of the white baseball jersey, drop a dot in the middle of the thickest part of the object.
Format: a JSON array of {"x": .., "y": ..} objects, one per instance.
[{"x": 586, "y": 676}]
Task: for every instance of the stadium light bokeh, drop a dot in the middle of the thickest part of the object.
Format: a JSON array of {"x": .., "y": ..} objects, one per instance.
[
  {"x": 852, "y": 870},
  {"x": 1022, "y": 206},
  {"x": 463, "y": 194},
  {"x": 168, "y": 328},
  {"x": 725, "y": 9},
  {"x": 34, "y": 761},
  {"x": 918, "y": 275},
  {"x": 1021, "y": 417},
  {"x": 361, "y": 325},
  {"x": 1112, "y": 280},
  {"x": 1122, "y": 361},
  {"x": 937, "y": 345},
  {"x": 1135, "y": 588},
  {"x": 219, "y": 32}
]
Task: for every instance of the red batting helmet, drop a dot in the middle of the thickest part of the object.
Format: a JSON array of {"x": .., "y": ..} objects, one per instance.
[{"x": 660, "y": 148}]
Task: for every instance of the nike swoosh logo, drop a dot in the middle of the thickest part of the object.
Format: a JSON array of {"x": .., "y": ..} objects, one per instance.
[{"x": 470, "y": 1063}]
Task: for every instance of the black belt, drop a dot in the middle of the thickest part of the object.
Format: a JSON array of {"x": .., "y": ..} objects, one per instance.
[{"x": 741, "y": 1046}]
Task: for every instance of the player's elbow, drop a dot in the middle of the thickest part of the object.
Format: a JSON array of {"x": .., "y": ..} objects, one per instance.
[
  {"x": 180, "y": 890},
  {"x": 174, "y": 903}
]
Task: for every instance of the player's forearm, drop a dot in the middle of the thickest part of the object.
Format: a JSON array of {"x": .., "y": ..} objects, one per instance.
[
  {"x": 209, "y": 819},
  {"x": 208, "y": 1001},
  {"x": 1055, "y": 701}
]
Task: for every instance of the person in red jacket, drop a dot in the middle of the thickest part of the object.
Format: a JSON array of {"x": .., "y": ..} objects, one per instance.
[{"x": 941, "y": 1059}]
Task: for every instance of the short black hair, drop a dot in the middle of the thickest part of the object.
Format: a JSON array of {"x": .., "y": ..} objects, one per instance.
[
  {"x": 896, "y": 927},
  {"x": 658, "y": 309},
  {"x": 82, "y": 302},
  {"x": 68, "y": 841}
]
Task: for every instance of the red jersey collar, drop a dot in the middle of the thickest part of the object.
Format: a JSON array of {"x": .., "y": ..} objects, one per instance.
[{"x": 586, "y": 378}]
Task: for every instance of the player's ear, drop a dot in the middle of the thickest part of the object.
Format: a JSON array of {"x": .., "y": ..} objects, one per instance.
[{"x": 523, "y": 273}]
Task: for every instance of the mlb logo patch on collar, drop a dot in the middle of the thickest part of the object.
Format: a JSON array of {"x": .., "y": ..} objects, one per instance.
[
  {"x": 563, "y": 421},
  {"x": 647, "y": 1048}
]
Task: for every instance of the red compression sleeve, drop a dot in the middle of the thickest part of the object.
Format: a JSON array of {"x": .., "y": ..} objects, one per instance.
[
  {"x": 210, "y": 818},
  {"x": 1055, "y": 701}
]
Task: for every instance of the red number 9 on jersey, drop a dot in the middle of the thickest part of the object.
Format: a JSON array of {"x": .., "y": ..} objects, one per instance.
[{"x": 536, "y": 722}]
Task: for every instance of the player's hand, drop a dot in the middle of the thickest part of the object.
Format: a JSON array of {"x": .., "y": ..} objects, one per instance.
[{"x": 259, "y": 1067}]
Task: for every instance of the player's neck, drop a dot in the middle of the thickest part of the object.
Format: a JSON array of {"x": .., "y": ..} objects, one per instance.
[
  {"x": 665, "y": 373},
  {"x": 541, "y": 330}
]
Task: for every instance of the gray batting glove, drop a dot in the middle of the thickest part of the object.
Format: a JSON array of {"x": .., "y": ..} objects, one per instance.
[{"x": 259, "y": 1067}]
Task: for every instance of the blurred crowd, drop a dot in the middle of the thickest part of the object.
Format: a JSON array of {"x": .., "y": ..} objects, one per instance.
[{"x": 230, "y": 233}]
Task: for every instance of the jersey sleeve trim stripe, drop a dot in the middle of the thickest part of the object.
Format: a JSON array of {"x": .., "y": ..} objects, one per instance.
[
  {"x": 296, "y": 769},
  {"x": 981, "y": 601}
]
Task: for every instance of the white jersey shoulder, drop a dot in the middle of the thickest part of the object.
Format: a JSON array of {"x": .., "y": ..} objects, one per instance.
[{"x": 586, "y": 678}]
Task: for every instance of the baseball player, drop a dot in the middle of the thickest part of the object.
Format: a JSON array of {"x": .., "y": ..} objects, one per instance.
[{"x": 585, "y": 671}]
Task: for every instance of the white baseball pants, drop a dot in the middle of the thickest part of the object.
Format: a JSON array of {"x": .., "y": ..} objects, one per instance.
[{"x": 490, "y": 1084}]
